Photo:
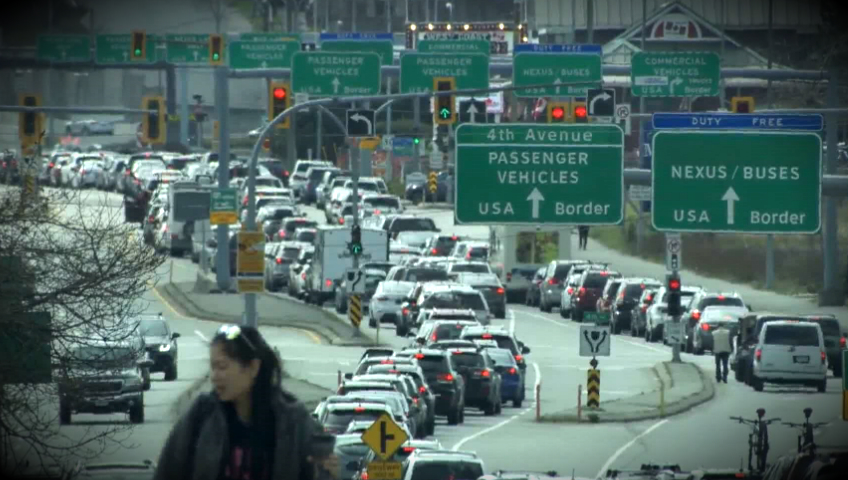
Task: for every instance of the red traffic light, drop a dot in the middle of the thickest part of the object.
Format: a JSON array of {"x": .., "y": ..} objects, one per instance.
[
  {"x": 557, "y": 113},
  {"x": 674, "y": 284},
  {"x": 279, "y": 93},
  {"x": 580, "y": 111}
]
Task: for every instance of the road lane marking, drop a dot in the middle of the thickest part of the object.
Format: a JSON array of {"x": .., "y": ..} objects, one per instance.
[
  {"x": 496, "y": 426},
  {"x": 627, "y": 445},
  {"x": 202, "y": 337},
  {"x": 165, "y": 302},
  {"x": 511, "y": 322}
]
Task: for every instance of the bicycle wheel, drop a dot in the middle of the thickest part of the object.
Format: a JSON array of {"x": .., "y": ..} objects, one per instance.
[
  {"x": 751, "y": 451},
  {"x": 762, "y": 447}
]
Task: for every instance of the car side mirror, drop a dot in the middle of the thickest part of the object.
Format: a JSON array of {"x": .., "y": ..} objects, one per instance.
[
  {"x": 145, "y": 363},
  {"x": 175, "y": 336},
  {"x": 348, "y": 376},
  {"x": 525, "y": 349}
]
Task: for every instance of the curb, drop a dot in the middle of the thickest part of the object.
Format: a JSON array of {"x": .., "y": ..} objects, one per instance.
[{"x": 706, "y": 394}]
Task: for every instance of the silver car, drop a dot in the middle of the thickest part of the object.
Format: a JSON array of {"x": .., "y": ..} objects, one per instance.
[
  {"x": 386, "y": 302},
  {"x": 89, "y": 127}
]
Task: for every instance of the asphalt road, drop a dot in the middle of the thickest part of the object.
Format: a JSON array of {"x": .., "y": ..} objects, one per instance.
[{"x": 701, "y": 437}]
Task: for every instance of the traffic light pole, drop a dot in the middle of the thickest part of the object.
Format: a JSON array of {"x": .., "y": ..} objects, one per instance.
[{"x": 222, "y": 106}]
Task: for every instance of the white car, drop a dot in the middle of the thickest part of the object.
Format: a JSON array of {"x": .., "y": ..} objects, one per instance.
[
  {"x": 657, "y": 314},
  {"x": 298, "y": 272},
  {"x": 790, "y": 352},
  {"x": 89, "y": 127},
  {"x": 571, "y": 286}
]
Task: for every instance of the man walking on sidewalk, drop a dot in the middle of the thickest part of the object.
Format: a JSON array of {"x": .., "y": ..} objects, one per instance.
[
  {"x": 721, "y": 350},
  {"x": 583, "y": 232}
]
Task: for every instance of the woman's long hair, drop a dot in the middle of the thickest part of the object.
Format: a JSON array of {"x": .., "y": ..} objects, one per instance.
[{"x": 244, "y": 348}]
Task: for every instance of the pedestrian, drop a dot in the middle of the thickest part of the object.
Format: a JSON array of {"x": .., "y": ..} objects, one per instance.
[
  {"x": 721, "y": 350},
  {"x": 583, "y": 232},
  {"x": 247, "y": 427}
]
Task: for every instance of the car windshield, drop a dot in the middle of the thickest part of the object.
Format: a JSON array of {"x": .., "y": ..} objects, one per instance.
[
  {"x": 457, "y": 300},
  {"x": 425, "y": 275},
  {"x": 295, "y": 224},
  {"x": 725, "y": 301},
  {"x": 152, "y": 328},
  {"x": 413, "y": 224},
  {"x": 467, "y": 360},
  {"x": 446, "y": 470},
  {"x": 470, "y": 267},
  {"x": 307, "y": 236},
  {"x": 794, "y": 335},
  {"x": 118, "y": 356}
]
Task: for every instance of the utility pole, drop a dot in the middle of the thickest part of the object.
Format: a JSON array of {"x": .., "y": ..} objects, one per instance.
[
  {"x": 291, "y": 132},
  {"x": 222, "y": 106},
  {"x": 640, "y": 222},
  {"x": 590, "y": 20},
  {"x": 770, "y": 237}
]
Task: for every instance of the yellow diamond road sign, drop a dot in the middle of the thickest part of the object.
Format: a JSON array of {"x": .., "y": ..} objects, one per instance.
[{"x": 384, "y": 437}]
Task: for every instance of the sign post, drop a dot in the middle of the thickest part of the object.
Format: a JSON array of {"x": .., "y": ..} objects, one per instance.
[
  {"x": 539, "y": 174},
  {"x": 115, "y": 49},
  {"x": 556, "y": 68},
  {"x": 188, "y": 48},
  {"x": 595, "y": 342},
  {"x": 675, "y": 74},
  {"x": 250, "y": 260},
  {"x": 328, "y": 74},
  {"x": 673, "y": 252}
]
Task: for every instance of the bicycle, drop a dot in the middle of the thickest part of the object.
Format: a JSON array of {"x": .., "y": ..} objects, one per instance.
[
  {"x": 758, "y": 439},
  {"x": 806, "y": 442}
]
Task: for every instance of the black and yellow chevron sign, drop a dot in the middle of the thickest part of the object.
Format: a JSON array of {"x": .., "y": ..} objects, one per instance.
[
  {"x": 354, "y": 311},
  {"x": 593, "y": 388},
  {"x": 432, "y": 182}
]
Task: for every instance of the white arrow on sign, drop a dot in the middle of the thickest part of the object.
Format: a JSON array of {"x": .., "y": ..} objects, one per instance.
[
  {"x": 730, "y": 197},
  {"x": 362, "y": 118},
  {"x": 557, "y": 82},
  {"x": 603, "y": 96},
  {"x": 675, "y": 82},
  {"x": 336, "y": 84},
  {"x": 264, "y": 64},
  {"x": 535, "y": 197},
  {"x": 195, "y": 53},
  {"x": 472, "y": 111}
]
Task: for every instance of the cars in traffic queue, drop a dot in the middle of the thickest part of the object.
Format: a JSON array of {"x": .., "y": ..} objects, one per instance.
[
  {"x": 456, "y": 296},
  {"x": 133, "y": 337},
  {"x": 160, "y": 342},
  {"x": 554, "y": 282},
  {"x": 657, "y": 315},
  {"x": 350, "y": 450},
  {"x": 306, "y": 235},
  {"x": 368, "y": 185},
  {"x": 629, "y": 293},
  {"x": 299, "y": 270},
  {"x": 408, "y": 223},
  {"x": 278, "y": 258},
  {"x": 322, "y": 191},
  {"x": 410, "y": 306},
  {"x": 490, "y": 286},
  {"x": 152, "y": 222},
  {"x": 534, "y": 288},
  {"x": 440, "y": 245},
  {"x": 446, "y": 383},
  {"x": 466, "y": 266},
  {"x": 416, "y": 406},
  {"x": 276, "y": 168},
  {"x": 164, "y": 177},
  {"x": 337, "y": 416},
  {"x": 711, "y": 319},
  {"x": 701, "y": 300},
  {"x": 413, "y": 239},
  {"x": 434, "y": 330},
  {"x": 442, "y": 464},
  {"x": 588, "y": 291},
  {"x": 271, "y": 218},
  {"x": 470, "y": 250},
  {"x": 102, "y": 377},
  {"x": 639, "y": 313},
  {"x": 482, "y": 380},
  {"x": 503, "y": 338},
  {"x": 451, "y": 344},
  {"x": 607, "y": 297},
  {"x": 320, "y": 410},
  {"x": 512, "y": 377},
  {"x": 184, "y": 198},
  {"x": 371, "y": 278},
  {"x": 314, "y": 175},
  {"x": 201, "y": 231},
  {"x": 747, "y": 335},
  {"x": 289, "y": 225},
  {"x": 568, "y": 291},
  {"x": 834, "y": 340},
  {"x": 404, "y": 273},
  {"x": 400, "y": 455},
  {"x": 386, "y": 303},
  {"x": 298, "y": 179},
  {"x": 414, "y": 372},
  {"x": 790, "y": 352},
  {"x": 380, "y": 204},
  {"x": 403, "y": 413}
]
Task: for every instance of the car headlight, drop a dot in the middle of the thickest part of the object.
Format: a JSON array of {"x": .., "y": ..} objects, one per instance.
[{"x": 165, "y": 347}]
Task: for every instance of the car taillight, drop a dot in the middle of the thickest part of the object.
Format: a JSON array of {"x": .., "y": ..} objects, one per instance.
[
  {"x": 500, "y": 291},
  {"x": 445, "y": 377},
  {"x": 165, "y": 228},
  {"x": 519, "y": 358},
  {"x": 415, "y": 400},
  {"x": 705, "y": 327},
  {"x": 823, "y": 357},
  {"x": 359, "y": 409},
  {"x": 151, "y": 219},
  {"x": 126, "y": 173},
  {"x": 303, "y": 276},
  {"x": 842, "y": 342},
  {"x": 720, "y": 297},
  {"x": 376, "y": 212},
  {"x": 485, "y": 373},
  {"x": 51, "y": 165},
  {"x": 341, "y": 220},
  {"x": 487, "y": 335},
  {"x": 419, "y": 356},
  {"x": 649, "y": 298},
  {"x": 408, "y": 450},
  {"x": 405, "y": 311},
  {"x": 644, "y": 308},
  {"x": 696, "y": 315},
  {"x": 552, "y": 281},
  {"x": 512, "y": 370},
  {"x": 433, "y": 337},
  {"x": 468, "y": 256},
  {"x": 581, "y": 292},
  {"x": 421, "y": 389},
  {"x": 569, "y": 290},
  {"x": 364, "y": 476},
  {"x": 759, "y": 354},
  {"x": 279, "y": 261},
  {"x": 621, "y": 296},
  {"x": 328, "y": 282},
  {"x": 434, "y": 251}
]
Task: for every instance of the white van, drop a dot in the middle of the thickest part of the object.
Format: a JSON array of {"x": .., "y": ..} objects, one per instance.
[{"x": 790, "y": 352}]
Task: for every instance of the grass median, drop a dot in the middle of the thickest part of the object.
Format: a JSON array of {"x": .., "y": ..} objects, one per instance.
[{"x": 737, "y": 257}]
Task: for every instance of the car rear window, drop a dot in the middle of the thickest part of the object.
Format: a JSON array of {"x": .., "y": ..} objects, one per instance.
[
  {"x": 561, "y": 271},
  {"x": 342, "y": 418},
  {"x": 385, "y": 202},
  {"x": 455, "y": 300},
  {"x": 829, "y": 326},
  {"x": 307, "y": 236},
  {"x": 420, "y": 224},
  {"x": 501, "y": 357},
  {"x": 503, "y": 341},
  {"x": 446, "y": 470},
  {"x": 477, "y": 252},
  {"x": 726, "y": 301},
  {"x": 291, "y": 253},
  {"x": 470, "y": 267},
  {"x": 317, "y": 174},
  {"x": 425, "y": 275},
  {"x": 448, "y": 331},
  {"x": 795, "y": 335},
  {"x": 432, "y": 363},
  {"x": 467, "y": 360},
  {"x": 295, "y": 224},
  {"x": 595, "y": 280}
]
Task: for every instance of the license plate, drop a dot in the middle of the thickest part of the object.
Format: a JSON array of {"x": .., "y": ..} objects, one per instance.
[
  {"x": 802, "y": 359},
  {"x": 101, "y": 403}
]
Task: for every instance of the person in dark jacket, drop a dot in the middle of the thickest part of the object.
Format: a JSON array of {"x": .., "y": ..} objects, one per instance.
[
  {"x": 583, "y": 232},
  {"x": 248, "y": 427}
]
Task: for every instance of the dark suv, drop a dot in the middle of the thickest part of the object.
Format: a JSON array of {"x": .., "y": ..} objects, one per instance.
[
  {"x": 504, "y": 340},
  {"x": 482, "y": 381},
  {"x": 628, "y": 295},
  {"x": 834, "y": 341},
  {"x": 445, "y": 382},
  {"x": 161, "y": 344},
  {"x": 589, "y": 290},
  {"x": 440, "y": 245}
]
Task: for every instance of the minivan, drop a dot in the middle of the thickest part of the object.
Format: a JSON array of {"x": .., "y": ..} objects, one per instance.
[{"x": 790, "y": 352}]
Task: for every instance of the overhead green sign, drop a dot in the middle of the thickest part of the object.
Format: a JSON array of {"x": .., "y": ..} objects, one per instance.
[
  {"x": 455, "y": 46},
  {"x": 561, "y": 70},
  {"x": 335, "y": 73},
  {"x": 539, "y": 174},
  {"x": 64, "y": 48},
  {"x": 417, "y": 70},
  {"x": 115, "y": 49},
  {"x": 267, "y": 37},
  {"x": 383, "y": 48},
  {"x": 187, "y": 48},
  {"x": 763, "y": 182},
  {"x": 675, "y": 74},
  {"x": 262, "y": 54}
]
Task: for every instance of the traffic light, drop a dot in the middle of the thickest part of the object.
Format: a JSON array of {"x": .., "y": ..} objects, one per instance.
[
  {"x": 216, "y": 49},
  {"x": 153, "y": 123},
  {"x": 580, "y": 112},
  {"x": 742, "y": 104},
  {"x": 356, "y": 240},
  {"x": 138, "y": 50},
  {"x": 558, "y": 112},
  {"x": 444, "y": 112},
  {"x": 29, "y": 123},
  {"x": 674, "y": 309},
  {"x": 279, "y": 99}
]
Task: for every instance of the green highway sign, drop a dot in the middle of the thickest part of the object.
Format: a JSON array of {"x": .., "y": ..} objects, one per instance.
[
  {"x": 675, "y": 74},
  {"x": 556, "y": 68},
  {"x": 598, "y": 318},
  {"x": 64, "y": 48},
  {"x": 532, "y": 174},
  {"x": 383, "y": 48},
  {"x": 743, "y": 182},
  {"x": 455, "y": 46},
  {"x": 267, "y": 37},
  {"x": 223, "y": 207},
  {"x": 187, "y": 48},
  {"x": 326, "y": 74},
  {"x": 262, "y": 54},
  {"x": 417, "y": 70},
  {"x": 115, "y": 49}
]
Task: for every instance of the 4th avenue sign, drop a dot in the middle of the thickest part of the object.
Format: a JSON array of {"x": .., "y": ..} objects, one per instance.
[
  {"x": 325, "y": 74},
  {"x": 740, "y": 182},
  {"x": 556, "y": 68},
  {"x": 539, "y": 174}
]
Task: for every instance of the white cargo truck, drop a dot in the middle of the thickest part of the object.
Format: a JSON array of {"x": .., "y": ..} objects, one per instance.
[{"x": 333, "y": 258}]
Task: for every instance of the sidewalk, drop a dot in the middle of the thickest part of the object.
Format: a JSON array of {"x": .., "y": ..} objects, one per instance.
[
  {"x": 192, "y": 299},
  {"x": 678, "y": 387}
]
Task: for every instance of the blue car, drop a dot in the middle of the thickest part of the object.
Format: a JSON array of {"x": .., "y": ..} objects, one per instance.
[{"x": 512, "y": 380}]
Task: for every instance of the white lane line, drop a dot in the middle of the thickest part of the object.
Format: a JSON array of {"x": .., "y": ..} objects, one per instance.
[
  {"x": 627, "y": 445},
  {"x": 202, "y": 337},
  {"x": 496, "y": 426},
  {"x": 511, "y": 322}
]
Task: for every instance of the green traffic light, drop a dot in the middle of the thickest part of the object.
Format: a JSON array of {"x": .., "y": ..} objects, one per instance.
[
  {"x": 137, "y": 52},
  {"x": 444, "y": 112},
  {"x": 215, "y": 56},
  {"x": 416, "y": 141},
  {"x": 356, "y": 248}
]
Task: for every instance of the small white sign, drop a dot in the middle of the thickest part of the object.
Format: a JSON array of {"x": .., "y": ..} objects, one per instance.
[
  {"x": 673, "y": 332},
  {"x": 436, "y": 160},
  {"x": 388, "y": 142},
  {"x": 673, "y": 252},
  {"x": 355, "y": 281},
  {"x": 300, "y": 98},
  {"x": 639, "y": 193},
  {"x": 416, "y": 178},
  {"x": 594, "y": 341},
  {"x": 622, "y": 111}
]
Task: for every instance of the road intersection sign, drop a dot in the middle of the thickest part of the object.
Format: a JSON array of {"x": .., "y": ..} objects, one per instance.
[
  {"x": 553, "y": 48},
  {"x": 115, "y": 49},
  {"x": 532, "y": 174},
  {"x": 383, "y": 48},
  {"x": 384, "y": 437},
  {"x": 740, "y": 182},
  {"x": 327, "y": 74},
  {"x": 462, "y": 45},
  {"x": 262, "y": 53},
  {"x": 556, "y": 68},
  {"x": 417, "y": 70},
  {"x": 187, "y": 48},
  {"x": 594, "y": 340},
  {"x": 64, "y": 48},
  {"x": 675, "y": 74},
  {"x": 744, "y": 121},
  {"x": 360, "y": 123},
  {"x": 601, "y": 102}
]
